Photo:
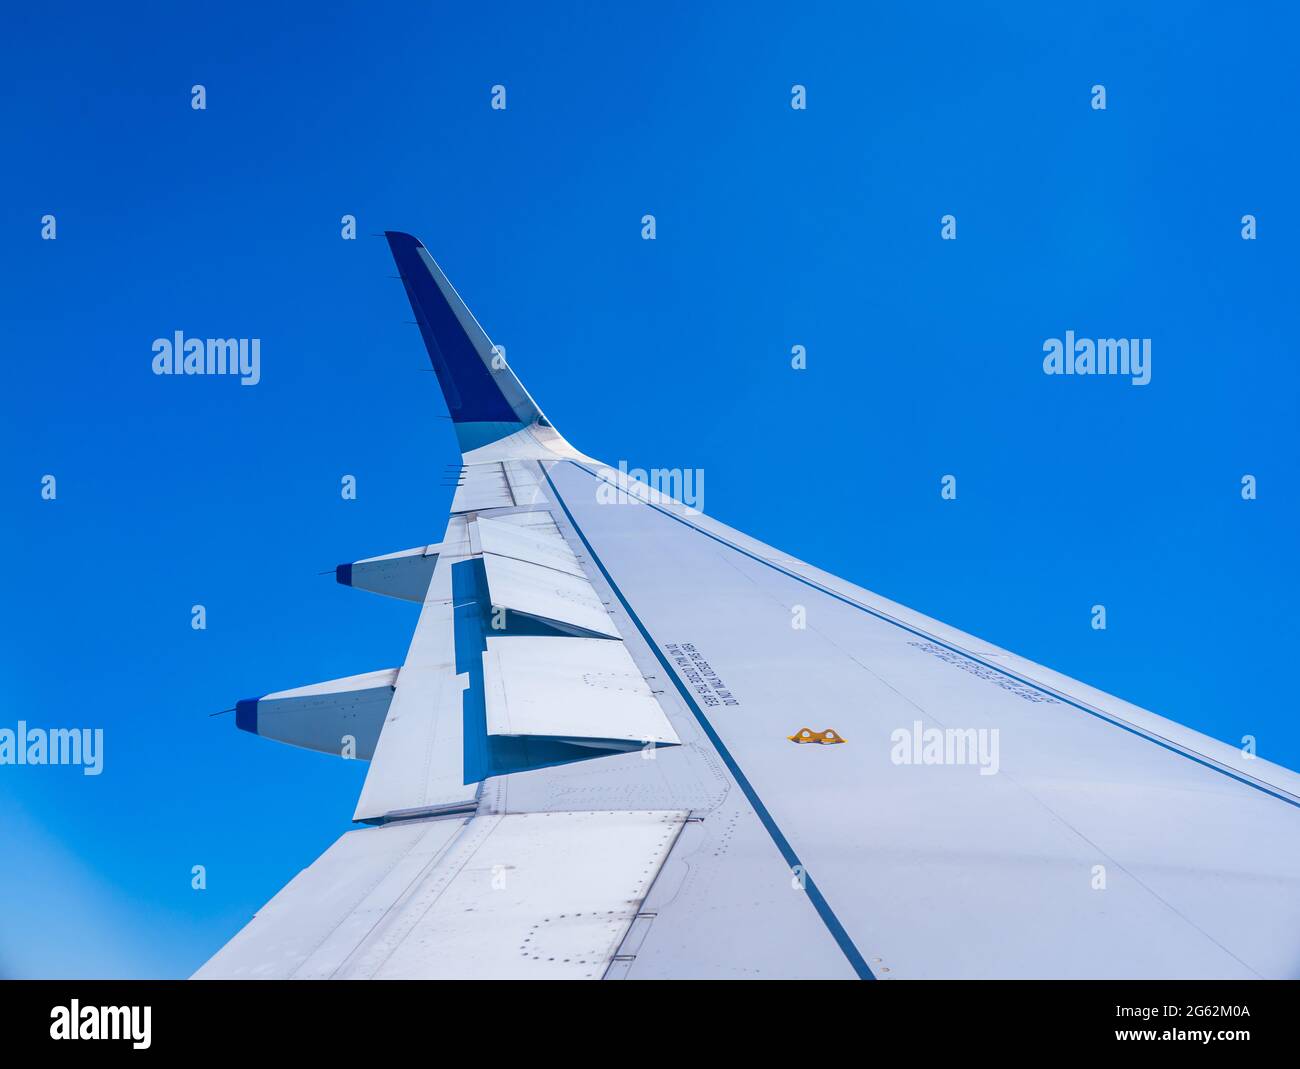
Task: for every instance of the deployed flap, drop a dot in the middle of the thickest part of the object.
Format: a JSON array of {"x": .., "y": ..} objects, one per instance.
[
  {"x": 537, "y": 544},
  {"x": 547, "y": 594},
  {"x": 404, "y": 574},
  {"x": 545, "y": 896},
  {"x": 324, "y": 716},
  {"x": 581, "y": 690}
]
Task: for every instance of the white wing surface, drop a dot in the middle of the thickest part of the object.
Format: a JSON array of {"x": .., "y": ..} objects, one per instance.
[{"x": 585, "y": 768}]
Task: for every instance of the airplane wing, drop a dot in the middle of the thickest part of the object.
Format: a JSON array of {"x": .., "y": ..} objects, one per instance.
[{"x": 628, "y": 741}]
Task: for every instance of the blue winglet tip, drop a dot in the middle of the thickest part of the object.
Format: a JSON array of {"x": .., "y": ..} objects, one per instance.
[
  {"x": 343, "y": 574},
  {"x": 399, "y": 237},
  {"x": 246, "y": 714}
]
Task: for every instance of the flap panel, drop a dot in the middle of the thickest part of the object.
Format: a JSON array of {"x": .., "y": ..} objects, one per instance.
[
  {"x": 547, "y": 594},
  {"x": 584, "y": 690},
  {"x": 535, "y": 544}
]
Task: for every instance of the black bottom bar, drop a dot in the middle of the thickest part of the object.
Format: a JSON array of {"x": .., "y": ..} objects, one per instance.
[{"x": 385, "y": 1020}]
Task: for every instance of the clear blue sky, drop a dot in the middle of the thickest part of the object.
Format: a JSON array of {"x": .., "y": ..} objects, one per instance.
[{"x": 775, "y": 228}]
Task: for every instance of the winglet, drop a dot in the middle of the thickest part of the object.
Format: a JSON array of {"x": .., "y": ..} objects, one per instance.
[{"x": 486, "y": 401}]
